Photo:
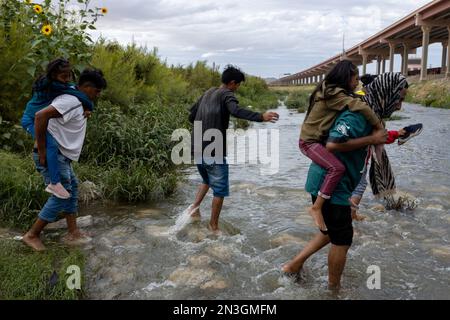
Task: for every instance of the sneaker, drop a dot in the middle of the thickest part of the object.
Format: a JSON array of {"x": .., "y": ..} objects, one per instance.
[
  {"x": 411, "y": 131},
  {"x": 58, "y": 191}
]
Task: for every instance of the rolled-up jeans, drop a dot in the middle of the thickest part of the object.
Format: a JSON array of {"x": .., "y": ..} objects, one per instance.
[
  {"x": 54, "y": 206},
  {"x": 362, "y": 185}
]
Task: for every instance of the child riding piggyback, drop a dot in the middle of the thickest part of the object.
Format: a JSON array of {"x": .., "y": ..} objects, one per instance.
[{"x": 332, "y": 96}]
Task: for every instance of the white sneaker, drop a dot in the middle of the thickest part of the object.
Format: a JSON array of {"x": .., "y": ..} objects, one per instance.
[{"x": 58, "y": 191}]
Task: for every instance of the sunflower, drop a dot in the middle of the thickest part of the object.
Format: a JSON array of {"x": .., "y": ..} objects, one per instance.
[
  {"x": 104, "y": 10},
  {"x": 38, "y": 9},
  {"x": 47, "y": 30}
]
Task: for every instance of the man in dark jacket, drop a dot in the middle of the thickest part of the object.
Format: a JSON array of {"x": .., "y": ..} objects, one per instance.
[{"x": 211, "y": 117}]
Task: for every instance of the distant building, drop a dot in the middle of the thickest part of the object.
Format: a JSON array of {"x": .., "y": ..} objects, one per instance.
[{"x": 414, "y": 64}]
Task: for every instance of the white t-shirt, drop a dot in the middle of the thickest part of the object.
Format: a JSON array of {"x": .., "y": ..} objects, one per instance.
[{"x": 70, "y": 129}]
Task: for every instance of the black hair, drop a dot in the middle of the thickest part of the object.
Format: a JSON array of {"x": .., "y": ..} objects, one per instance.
[
  {"x": 232, "y": 73},
  {"x": 340, "y": 76},
  {"x": 367, "y": 79},
  {"x": 53, "y": 69},
  {"x": 92, "y": 77}
]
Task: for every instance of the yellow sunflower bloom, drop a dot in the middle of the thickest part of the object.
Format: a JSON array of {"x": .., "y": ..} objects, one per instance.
[
  {"x": 47, "y": 30},
  {"x": 104, "y": 10},
  {"x": 38, "y": 9}
]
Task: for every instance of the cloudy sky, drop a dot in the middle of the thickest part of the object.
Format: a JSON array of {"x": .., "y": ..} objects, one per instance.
[{"x": 264, "y": 37}]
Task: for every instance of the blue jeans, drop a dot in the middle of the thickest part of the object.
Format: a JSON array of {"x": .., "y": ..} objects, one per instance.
[
  {"x": 362, "y": 185},
  {"x": 52, "y": 154},
  {"x": 216, "y": 177},
  {"x": 54, "y": 205}
]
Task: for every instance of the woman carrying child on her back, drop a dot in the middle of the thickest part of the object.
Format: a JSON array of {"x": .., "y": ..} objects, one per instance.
[{"x": 332, "y": 96}]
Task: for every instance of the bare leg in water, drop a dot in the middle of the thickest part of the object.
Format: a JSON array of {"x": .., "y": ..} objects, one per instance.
[
  {"x": 215, "y": 213},
  {"x": 318, "y": 242},
  {"x": 336, "y": 263},
  {"x": 74, "y": 234},
  {"x": 336, "y": 259},
  {"x": 201, "y": 193}
]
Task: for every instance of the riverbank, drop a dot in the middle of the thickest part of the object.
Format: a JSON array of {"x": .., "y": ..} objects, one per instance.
[
  {"x": 28, "y": 275},
  {"x": 431, "y": 93},
  {"x": 294, "y": 97}
]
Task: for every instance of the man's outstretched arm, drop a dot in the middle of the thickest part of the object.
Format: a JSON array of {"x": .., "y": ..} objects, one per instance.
[{"x": 242, "y": 113}]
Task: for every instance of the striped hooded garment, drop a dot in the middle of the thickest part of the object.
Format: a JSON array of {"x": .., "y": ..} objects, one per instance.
[{"x": 383, "y": 95}]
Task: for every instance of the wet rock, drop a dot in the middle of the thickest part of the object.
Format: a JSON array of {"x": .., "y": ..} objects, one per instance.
[
  {"x": 441, "y": 252},
  {"x": 105, "y": 242},
  {"x": 148, "y": 213},
  {"x": 216, "y": 284},
  {"x": 191, "y": 276},
  {"x": 285, "y": 239},
  {"x": 220, "y": 252},
  {"x": 437, "y": 207},
  {"x": 133, "y": 243},
  {"x": 82, "y": 222},
  {"x": 157, "y": 231},
  {"x": 201, "y": 260},
  {"x": 378, "y": 208},
  {"x": 121, "y": 232},
  {"x": 196, "y": 234}
]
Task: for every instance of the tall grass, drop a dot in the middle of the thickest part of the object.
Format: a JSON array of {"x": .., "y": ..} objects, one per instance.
[
  {"x": 296, "y": 97},
  {"x": 432, "y": 93},
  {"x": 27, "y": 275},
  {"x": 21, "y": 190}
]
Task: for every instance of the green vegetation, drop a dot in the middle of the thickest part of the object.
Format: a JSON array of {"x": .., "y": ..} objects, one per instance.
[
  {"x": 295, "y": 97},
  {"x": 128, "y": 146},
  {"x": 21, "y": 191},
  {"x": 432, "y": 93},
  {"x": 395, "y": 118},
  {"x": 27, "y": 275}
]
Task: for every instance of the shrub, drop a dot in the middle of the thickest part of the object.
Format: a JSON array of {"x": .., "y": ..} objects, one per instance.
[{"x": 21, "y": 190}]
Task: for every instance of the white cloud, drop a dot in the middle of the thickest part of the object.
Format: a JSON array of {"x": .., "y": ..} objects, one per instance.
[{"x": 264, "y": 37}]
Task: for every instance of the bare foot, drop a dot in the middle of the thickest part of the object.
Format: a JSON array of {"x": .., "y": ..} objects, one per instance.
[
  {"x": 194, "y": 212},
  {"x": 358, "y": 217},
  {"x": 316, "y": 214},
  {"x": 77, "y": 238},
  {"x": 214, "y": 229},
  {"x": 33, "y": 242}
]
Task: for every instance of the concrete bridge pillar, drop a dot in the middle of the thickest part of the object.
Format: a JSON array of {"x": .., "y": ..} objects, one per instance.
[
  {"x": 391, "y": 56},
  {"x": 405, "y": 57},
  {"x": 425, "y": 43},
  {"x": 448, "y": 54},
  {"x": 447, "y": 74},
  {"x": 364, "y": 67},
  {"x": 444, "y": 57},
  {"x": 378, "y": 65}
]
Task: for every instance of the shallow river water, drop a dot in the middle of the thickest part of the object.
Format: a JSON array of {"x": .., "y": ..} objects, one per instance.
[{"x": 154, "y": 252}]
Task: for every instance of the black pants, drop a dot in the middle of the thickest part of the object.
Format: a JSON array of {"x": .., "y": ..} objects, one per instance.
[{"x": 338, "y": 220}]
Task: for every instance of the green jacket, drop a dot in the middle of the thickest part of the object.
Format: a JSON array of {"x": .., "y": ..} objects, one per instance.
[
  {"x": 349, "y": 125},
  {"x": 316, "y": 126}
]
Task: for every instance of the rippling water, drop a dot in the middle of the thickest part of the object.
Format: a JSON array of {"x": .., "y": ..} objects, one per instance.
[{"x": 153, "y": 252}]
